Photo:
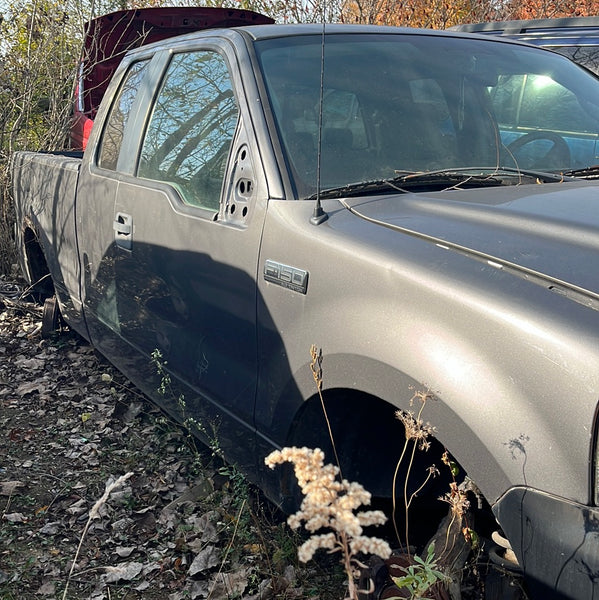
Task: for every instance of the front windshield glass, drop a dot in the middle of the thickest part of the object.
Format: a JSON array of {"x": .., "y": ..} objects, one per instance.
[{"x": 396, "y": 103}]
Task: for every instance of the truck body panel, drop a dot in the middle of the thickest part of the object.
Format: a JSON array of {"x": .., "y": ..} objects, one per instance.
[{"x": 50, "y": 182}]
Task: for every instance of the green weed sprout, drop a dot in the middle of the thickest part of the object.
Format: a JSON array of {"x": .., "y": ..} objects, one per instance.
[{"x": 420, "y": 577}]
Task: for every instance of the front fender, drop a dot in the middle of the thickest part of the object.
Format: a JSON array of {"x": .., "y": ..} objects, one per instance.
[{"x": 513, "y": 365}]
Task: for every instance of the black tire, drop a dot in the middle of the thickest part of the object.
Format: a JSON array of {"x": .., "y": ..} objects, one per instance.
[{"x": 50, "y": 317}]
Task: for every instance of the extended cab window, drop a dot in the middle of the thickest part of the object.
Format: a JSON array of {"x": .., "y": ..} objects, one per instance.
[
  {"x": 191, "y": 128},
  {"x": 112, "y": 136}
]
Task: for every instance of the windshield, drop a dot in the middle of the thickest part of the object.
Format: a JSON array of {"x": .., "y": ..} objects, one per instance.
[{"x": 400, "y": 103}]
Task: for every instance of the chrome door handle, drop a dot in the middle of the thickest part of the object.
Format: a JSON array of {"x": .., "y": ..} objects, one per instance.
[{"x": 123, "y": 230}]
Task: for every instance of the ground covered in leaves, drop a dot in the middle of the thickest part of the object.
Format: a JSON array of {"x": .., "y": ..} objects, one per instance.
[{"x": 102, "y": 496}]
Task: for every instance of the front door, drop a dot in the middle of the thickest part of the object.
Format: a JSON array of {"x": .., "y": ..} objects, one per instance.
[{"x": 187, "y": 232}]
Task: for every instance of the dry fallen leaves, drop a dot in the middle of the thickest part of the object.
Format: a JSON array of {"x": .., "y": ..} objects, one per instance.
[{"x": 71, "y": 424}]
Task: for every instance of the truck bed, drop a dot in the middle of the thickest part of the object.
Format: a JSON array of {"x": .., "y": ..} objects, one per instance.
[{"x": 44, "y": 186}]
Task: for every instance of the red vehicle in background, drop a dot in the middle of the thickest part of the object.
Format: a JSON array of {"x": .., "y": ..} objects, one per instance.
[{"x": 109, "y": 37}]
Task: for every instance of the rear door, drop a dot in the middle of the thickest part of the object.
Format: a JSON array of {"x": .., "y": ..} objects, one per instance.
[{"x": 96, "y": 195}]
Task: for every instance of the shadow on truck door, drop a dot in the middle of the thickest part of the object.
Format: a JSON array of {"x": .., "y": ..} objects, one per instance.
[{"x": 200, "y": 314}]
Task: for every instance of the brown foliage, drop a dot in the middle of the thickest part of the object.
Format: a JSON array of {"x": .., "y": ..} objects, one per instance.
[
  {"x": 440, "y": 14},
  {"x": 538, "y": 9}
]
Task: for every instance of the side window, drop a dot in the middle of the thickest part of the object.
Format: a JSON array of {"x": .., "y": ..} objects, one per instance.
[
  {"x": 112, "y": 136},
  {"x": 190, "y": 131}
]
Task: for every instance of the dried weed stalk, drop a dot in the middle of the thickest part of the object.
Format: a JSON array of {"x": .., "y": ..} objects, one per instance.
[
  {"x": 330, "y": 500},
  {"x": 93, "y": 513},
  {"x": 329, "y": 503},
  {"x": 417, "y": 434},
  {"x": 316, "y": 368},
  {"x": 457, "y": 498}
]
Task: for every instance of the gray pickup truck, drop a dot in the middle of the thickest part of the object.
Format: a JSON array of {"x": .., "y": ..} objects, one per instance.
[{"x": 420, "y": 205}]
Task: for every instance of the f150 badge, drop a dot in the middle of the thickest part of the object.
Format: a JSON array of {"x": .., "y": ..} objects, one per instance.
[{"x": 291, "y": 278}]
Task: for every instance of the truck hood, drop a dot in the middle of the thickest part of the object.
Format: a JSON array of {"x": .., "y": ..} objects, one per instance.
[{"x": 546, "y": 232}]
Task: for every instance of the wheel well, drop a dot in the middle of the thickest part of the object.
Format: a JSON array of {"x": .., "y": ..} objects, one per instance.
[
  {"x": 42, "y": 286},
  {"x": 369, "y": 439}
]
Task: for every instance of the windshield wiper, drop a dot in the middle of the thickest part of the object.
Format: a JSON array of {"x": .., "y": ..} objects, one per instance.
[
  {"x": 442, "y": 179},
  {"x": 591, "y": 172},
  {"x": 482, "y": 173},
  {"x": 539, "y": 176},
  {"x": 410, "y": 182}
]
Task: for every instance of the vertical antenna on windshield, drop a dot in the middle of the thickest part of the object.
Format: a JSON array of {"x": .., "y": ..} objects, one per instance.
[{"x": 319, "y": 216}]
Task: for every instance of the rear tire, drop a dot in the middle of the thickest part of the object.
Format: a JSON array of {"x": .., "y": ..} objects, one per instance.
[{"x": 50, "y": 317}]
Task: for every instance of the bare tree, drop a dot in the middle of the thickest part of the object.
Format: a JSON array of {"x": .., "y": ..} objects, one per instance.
[
  {"x": 440, "y": 14},
  {"x": 38, "y": 62}
]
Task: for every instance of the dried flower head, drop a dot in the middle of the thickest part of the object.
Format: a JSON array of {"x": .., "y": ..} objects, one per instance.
[
  {"x": 329, "y": 503},
  {"x": 457, "y": 500},
  {"x": 316, "y": 365},
  {"x": 422, "y": 395},
  {"x": 415, "y": 428}
]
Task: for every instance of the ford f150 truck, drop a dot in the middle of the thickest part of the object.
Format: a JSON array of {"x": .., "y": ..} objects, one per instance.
[{"x": 420, "y": 205}]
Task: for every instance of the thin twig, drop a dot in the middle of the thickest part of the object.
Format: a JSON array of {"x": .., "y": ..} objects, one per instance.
[
  {"x": 93, "y": 513},
  {"x": 8, "y": 502},
  {"x": 228, "y": 549},
  {"x": 316, "y": 367}
]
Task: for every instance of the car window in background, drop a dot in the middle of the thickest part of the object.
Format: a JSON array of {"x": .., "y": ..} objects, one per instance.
[
  {"x": 587, "y": 56},
  {"x": 538, "y": 102}
]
